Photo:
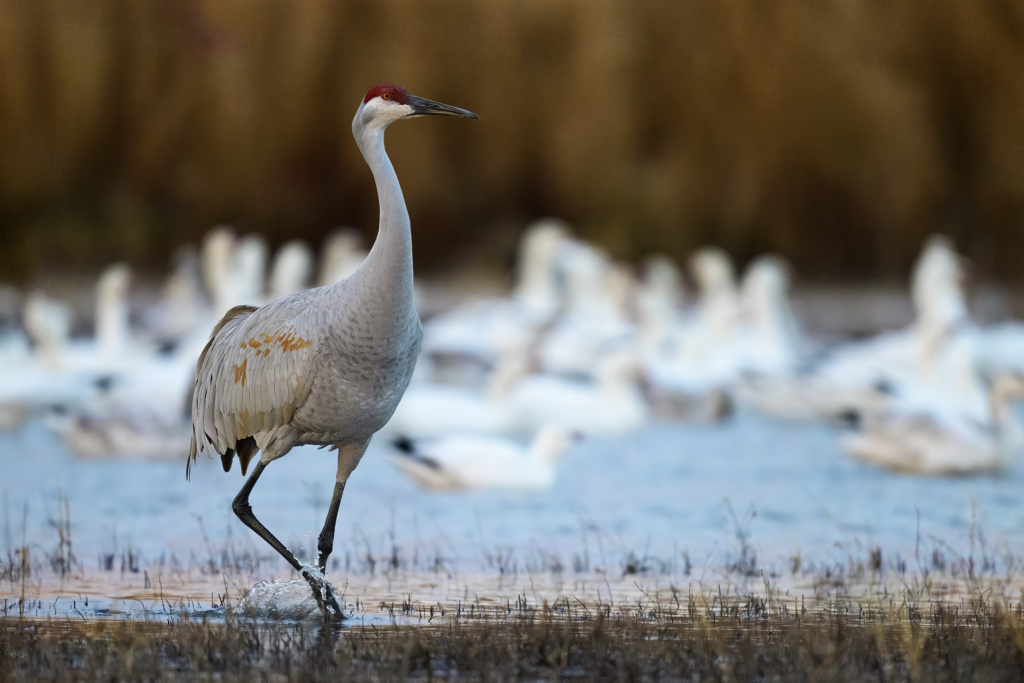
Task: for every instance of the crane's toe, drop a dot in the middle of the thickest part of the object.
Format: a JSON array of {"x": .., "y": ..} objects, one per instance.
[{"x": 323, "y": 594}]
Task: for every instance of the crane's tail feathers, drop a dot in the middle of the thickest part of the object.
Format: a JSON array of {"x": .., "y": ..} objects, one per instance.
[
  {"x": 192, "y": 455},
  {"x": 228, "y": 317},
  {"x": 194, "y": 449},
  {"x": 245, "y": 449}
]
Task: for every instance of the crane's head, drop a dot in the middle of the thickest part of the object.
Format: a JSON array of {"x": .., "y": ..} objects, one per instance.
[{"x": 386, "y": 103}]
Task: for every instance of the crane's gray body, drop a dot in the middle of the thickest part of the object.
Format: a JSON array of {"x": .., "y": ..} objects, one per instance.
[
  {"x": 360, "y": 375},
  {"x": 329, "y": 360},
  {"x": 325, "y": 366}
]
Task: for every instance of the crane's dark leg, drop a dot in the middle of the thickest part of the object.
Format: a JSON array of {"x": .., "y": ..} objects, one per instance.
[
  {"x": 321, "y": 590},
  {"x": 349, "y": 456},
  {"x": 326, "y": 543}
]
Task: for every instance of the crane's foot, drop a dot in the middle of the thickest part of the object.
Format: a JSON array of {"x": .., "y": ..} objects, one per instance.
[{"x": 322, "y": 593}]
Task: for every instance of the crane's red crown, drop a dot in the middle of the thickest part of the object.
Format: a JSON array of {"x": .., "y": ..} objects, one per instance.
[{"x": 387, "y": 91}]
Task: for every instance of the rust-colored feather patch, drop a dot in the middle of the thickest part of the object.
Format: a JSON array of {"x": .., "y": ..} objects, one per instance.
[
  {"x": 292, "y": 342},
  {"x": 285, "y": 339},
  {"x": 240, "y": 371}
]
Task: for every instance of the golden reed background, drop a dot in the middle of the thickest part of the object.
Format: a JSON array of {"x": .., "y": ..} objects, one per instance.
[{"x": 839, "y": 133}]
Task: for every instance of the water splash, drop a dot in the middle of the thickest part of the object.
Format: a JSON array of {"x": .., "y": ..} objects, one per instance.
[{"x": 289, "y": 600}]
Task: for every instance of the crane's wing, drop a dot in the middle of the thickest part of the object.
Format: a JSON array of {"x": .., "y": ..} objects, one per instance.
[{"x": 251, "y": 378}]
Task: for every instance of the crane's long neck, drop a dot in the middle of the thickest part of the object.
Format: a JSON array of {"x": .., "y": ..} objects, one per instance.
[{"x": 388, "y": 267}]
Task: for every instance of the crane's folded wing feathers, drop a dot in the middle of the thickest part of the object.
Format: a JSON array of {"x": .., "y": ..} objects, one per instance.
[{"x": 251, "y": 378}]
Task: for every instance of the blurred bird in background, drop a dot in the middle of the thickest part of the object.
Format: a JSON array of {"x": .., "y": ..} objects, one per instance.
[{"x": 579, "y": 343}]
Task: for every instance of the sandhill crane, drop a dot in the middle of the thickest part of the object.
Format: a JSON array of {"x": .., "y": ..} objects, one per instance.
[{"x": 324, "y": 366}]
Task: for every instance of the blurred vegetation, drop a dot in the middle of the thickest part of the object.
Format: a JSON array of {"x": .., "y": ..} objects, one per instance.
[{"x": 838, "y": 133}]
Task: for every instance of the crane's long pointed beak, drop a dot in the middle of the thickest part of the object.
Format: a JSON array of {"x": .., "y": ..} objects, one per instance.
[{"x": 424, "y": 107}]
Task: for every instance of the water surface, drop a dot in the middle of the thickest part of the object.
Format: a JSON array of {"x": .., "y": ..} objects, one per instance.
[{"x": 665, "y": 492}]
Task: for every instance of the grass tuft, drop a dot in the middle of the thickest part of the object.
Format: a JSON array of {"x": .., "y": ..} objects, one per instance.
[{"x": 704, "y": 636}]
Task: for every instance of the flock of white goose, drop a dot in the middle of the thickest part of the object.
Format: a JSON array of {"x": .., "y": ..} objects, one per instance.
[{"x": 581, "y": 348}]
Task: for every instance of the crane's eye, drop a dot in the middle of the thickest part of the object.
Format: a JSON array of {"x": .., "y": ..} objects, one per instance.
[{"x": 386, "y": 96}]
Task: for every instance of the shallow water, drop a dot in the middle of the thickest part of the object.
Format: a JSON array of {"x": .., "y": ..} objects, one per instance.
[{"x": 660, "y": 494}]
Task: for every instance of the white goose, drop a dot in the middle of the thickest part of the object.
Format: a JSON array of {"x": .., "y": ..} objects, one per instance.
[
  {"x": 218, "y": 245},
  {"x": 433, "y": 410},
  {"x": 48, "y": 325},
  {"x": 719, "y": 310},
  {"x": 43, "y": 376},
  {"x": 702, "y": 359},
  {"x": 909, "y": 364},
  {"x": 242, "y": 282},
  {"x": 771, "y": 348},
  {"x": 141, "y": 410},
  {"x": 141, "y": 414},
  {"x": 113, "y": 343},
  {"x": 658, "y": 305},
  {"x": 114, "y": 339},
  {"x": 341, "y": 254},
  {"x": 925, "y": 443},
  {"x": 537, "y": 289},
  {"x": 182, "y": 307},
  {"x": 217, "y": 260},
  {"x": 611, "y": 405},
  {"x": 293, "y": 265},
  {"x": 462, "y": 462},
  {"x": 770, "y": 342},
  {"x": 138, "y": 434},
  {"x": 482, "y": 329},
  {"x": 33, "y": 377},
  {"x": 594, "y": 321},
  {"x": 936, "y": 290}
]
